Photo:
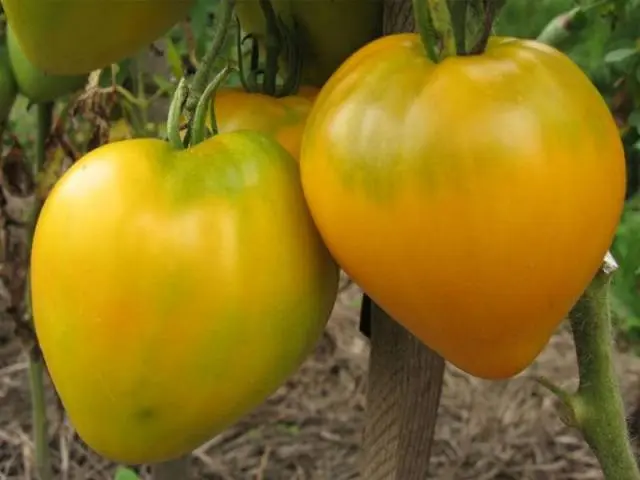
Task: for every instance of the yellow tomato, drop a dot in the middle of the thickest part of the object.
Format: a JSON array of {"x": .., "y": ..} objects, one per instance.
[
  {"x": 282, "y": 118},
  {"x": 173, "y": 291},
  {"x": 473, "y": 200}
]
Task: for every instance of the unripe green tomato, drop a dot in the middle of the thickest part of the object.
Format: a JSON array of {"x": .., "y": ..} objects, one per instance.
[
  {"x": 73, "y": 37},
  {"x": 8, "y": 87},
  {"x": 32, "y": 82}
]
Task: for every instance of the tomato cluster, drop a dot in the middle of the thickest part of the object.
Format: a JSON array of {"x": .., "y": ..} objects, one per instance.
[{"x": 175, "y": 289}]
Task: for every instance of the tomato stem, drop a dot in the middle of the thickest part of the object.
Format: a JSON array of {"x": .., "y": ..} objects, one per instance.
[
  {"x": 206, "y": 66},
  {"x": 36, "y": 362},
  {"x": 205, "y": 105},
  {"x": 279, "y": 39},
  {"x": 273, "y": 46},
  {"x": 597, "y": 406},
  {"x": 175, "y": 109}
]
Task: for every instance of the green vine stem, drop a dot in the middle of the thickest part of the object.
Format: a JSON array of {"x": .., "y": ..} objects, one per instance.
[
  {"x": 39, "y": 415},
  {"x": 597, "y": 408},
  {"x": 205, "y": 105},
  {"x": 36, "y": 362},
  {"x": 273, "y": 47},
  {"x": 205, "y": 68},
  {"x": 280, "y": 38},
  {"x": 175, "y": 109}
]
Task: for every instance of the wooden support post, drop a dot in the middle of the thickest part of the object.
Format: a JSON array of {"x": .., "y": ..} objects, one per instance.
[{"x": 405, "y": 377}]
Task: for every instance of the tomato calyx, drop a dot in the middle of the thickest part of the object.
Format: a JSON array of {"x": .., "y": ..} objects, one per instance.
[
  {"x": 455, "y": 28},
  {"x": 262, "y": 76}
]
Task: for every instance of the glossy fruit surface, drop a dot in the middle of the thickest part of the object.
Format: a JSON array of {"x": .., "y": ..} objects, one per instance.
[
  {"x": 473, "y": 200},
  {"x": 8, "y": 86},
  {"x": 282, "y": 118},
  {"x": 76, "y": 37},
  {"x": 35, "y": 84},
  {"x": 329, "y": 30},
  {"x": 173, "y": 291}
]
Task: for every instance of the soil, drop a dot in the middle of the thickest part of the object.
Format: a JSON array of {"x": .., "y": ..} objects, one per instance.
[{"x": 311, "y": 428}]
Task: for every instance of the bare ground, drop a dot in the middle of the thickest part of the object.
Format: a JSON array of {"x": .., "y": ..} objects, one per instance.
[{"x": 311, "y": 428}]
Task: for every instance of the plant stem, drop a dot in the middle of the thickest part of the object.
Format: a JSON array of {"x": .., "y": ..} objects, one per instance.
[
  {"x": 205, "y": 67},
  {"x": 205, "y": 105},
  {"x": 36, "y": 363},
  {"x": 173, "y": 119},
  {"x": 45, "y": 114},
  {"x": 39, "y": 414},
  {"x": 273, "y": 48},
  {"x": 597, "y": 406},
  {"x": 177, "y": 469}
]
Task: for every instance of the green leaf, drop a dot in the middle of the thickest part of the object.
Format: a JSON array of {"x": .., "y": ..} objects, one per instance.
[
  {"x": 634, "y": 120},
  {"x": 173, "y": 59},
  {"x": 620, "y": 54},
  {"x": 123, "y": 473}
]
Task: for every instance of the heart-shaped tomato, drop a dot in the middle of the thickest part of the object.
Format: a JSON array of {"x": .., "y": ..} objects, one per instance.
[
  {"x": 473, "y": 200},
  {"x": 173, "y": 291}
]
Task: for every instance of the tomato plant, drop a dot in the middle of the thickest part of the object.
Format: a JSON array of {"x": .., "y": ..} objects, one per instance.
[
  {"x": 72, "y": 38},
  {"x": 329, "y": 31},
  {"x": 283, "y": 118},
  {"x": 8, "y": 87},
  {"x": 474, "y": 199},
  {"x": 154, "y": 268},
  {"x": 35, "y": 84}
]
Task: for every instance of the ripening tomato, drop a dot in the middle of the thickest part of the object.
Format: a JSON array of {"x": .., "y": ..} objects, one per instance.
[
  {"x": 173, "y": 291},
  {"x": 77, "y": 37},
  {"x": 282, "y": 118},
  {"x": 33, "y": 83},
  {"x": 473, "y": 200}
]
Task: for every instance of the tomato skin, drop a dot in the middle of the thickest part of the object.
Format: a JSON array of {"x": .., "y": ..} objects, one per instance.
[
  {"x": 330, "y": 30},
  {"x": 33, "y": 83},
  {"x": 174, "y": 291},
  {"x": 8, "y": 86},
  {"x": 77, "y": 37},
  {"x": 473, "y": 200},
  {"x": 282, "y": 118}
]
